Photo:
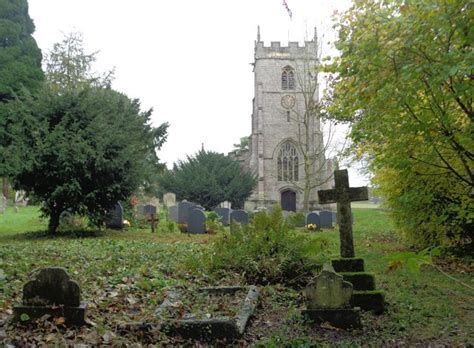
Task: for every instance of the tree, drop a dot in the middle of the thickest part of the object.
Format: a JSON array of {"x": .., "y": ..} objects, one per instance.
[
  {"x": 405, "y": 81},
  {"x": 209, "y": 178},
  {"x": 81, "y": 147},
  {"x": 20, "y": 67}
]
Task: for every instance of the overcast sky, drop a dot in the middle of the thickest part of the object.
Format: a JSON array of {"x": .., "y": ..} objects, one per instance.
[{"x": 188, "y": 60}]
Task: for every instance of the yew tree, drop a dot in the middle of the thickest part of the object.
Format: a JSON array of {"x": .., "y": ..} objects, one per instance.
[
  {"x": 20, "y": 68},
  {"x": 81, "y": 146},
  {"x": 209, "y": 178},
  {"x": 404, "y": 80}
]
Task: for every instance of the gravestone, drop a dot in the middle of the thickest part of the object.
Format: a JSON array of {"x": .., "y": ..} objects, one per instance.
[
  {"x": 148, "y": 211},
  {"x": 326, "y": 219},
  {"x": 141, "y": 210},
  {"x": 328, "y": 300},
  {"x": 184, "y": 208},
  {"x": 154, "y": 201},
  {"x": 169, "y": 199},
  {"x": 51, "y": 292},
  {"x": 115, "y": 218},
  {"x": 226, "y": 204},
  {"x": 173, "y": 213},
  {"x": 197, "y": 221},
  {"x": 343, "y": 195},
  {"x": 224, "y": 214},
  {"x": 3, "y": 203},
  {"x": 313, "y": 219},
  {"x": 240, "y": 216}
]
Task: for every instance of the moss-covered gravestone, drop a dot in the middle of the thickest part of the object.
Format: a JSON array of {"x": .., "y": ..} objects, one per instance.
[
  {"x": 328, "y": 300},
  {"x": 351, "y": 268},
  {"x": 51, "y": 292}
]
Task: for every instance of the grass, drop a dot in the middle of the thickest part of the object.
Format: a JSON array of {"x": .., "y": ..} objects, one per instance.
[{"x": 125, "y": 275}]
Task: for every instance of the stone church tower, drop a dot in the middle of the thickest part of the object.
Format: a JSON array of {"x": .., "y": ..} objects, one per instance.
[{"x": 283, "y": 132}]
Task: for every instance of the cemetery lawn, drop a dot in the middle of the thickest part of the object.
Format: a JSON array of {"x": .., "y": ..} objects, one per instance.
[{"x": 124, "y": 276}]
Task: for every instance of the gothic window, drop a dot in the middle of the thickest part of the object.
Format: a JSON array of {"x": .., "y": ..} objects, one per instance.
[
  {"x": 287, "y": 163},
  {"x": 288, "y": 78}
]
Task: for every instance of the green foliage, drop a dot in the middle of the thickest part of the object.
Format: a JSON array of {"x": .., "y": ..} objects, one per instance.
[
  {"x": 213, "y": 223},
  {"x": 404, "y": 80},
  {"x": 20, "y": 67},
  {"x": 266, "y": 251},
  {"x": 296, "y": 219},
  {"x": 81, "y": 147},
  {"x": 209, "y": 178}
]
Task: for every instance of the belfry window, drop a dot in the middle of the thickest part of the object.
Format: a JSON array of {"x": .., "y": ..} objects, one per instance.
[
  {"x": 288, "y": 78},
  {"x": 287, "y": 163}
]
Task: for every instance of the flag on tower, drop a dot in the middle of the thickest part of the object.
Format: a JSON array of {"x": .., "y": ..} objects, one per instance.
[{"x": 288, "y": 9}]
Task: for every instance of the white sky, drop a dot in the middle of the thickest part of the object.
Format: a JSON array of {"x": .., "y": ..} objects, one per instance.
[{"x": 188, "y": 60}]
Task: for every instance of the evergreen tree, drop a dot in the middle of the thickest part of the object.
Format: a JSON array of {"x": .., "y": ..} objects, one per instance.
[
  {"x": 20, "y": 67},
  {"x": 209, "y": 178},
  {"x": 81, "y": 146}
]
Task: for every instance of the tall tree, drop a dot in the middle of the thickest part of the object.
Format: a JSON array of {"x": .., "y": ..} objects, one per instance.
[
  {"x": 209, "y": 178},
  {"x": 405, "y": 81},
  {"x": 81, "y": 146},
  {"x": 20, "y": 67}
]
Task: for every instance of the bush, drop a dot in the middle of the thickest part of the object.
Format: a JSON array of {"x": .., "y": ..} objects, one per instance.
[{"x": 266, "y": 251}]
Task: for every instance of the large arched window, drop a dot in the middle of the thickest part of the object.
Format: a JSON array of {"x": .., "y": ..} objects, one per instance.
[
  {"x": 287, "y": 78},
  {"x": 287, "y": 163}
]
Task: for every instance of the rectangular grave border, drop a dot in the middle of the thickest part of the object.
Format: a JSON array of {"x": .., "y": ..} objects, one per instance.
[{"x": 214, "y": 328}]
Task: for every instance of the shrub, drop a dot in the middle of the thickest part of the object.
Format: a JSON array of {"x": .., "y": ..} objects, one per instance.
[{"x": 266, "y": 251}]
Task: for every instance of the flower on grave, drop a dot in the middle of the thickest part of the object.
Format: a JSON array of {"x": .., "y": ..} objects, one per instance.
[
  {"x": 126, "y": 223},
  {"x": 312, "y": 227}
]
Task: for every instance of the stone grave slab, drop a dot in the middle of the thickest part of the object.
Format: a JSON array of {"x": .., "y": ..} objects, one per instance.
[
  {"x": 326, "y": 219},
  {"x": 148, "y": 211},
  {"x": 115, "y": 218},
  {"x": 169, "y": 199},
  {"x": 208, "y": 328},
  {"x": 173, "y": 213},
  {"x": 328, "y": 300},
  {"x": 51, "y": 292},
  {"x": 240, "y": 216},
  {"x": 184, "y": 208},
  {"x": 224, "y": 214},
  {"x": 313, "y": 218},
  {"x": 197, "y": 221}
]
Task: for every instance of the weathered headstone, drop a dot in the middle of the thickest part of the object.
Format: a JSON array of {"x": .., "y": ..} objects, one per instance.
[
  {"x": 328, "y": 300},
  {"x": 115, "y": 218},
  {"x": 224, "y": 214},
  {"x": 226, "y": 204},
  {"x": 169, "y": 199},
  {"x": 197, "y": 221},
  {"x": 173, "y": 213},
  {"x": 343, "y": 195},
  {"x": 141, "y": 210},
  {"x": 3, "y": 203},
  {"x": 312, "y": 218},
  {"x": 149, "y": 212},
  {"x": 184, "y": 208},
  {"x": 154, "y": 201},
  {"x": 240, "y": 216},
  {"x": 326, "y": 219},
  {"x": 52, "y": 293}
]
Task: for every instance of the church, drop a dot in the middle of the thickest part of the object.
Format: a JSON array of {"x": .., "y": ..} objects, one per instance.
[{"x": 286, "y": 150}]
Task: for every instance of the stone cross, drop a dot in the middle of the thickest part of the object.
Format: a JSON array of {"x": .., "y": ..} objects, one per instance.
[{"x": 343, "y": 195}]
